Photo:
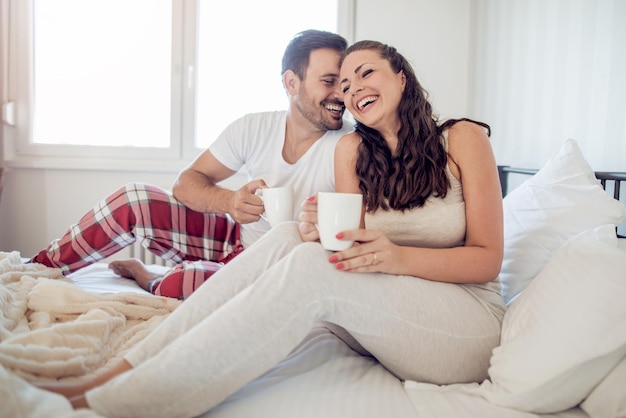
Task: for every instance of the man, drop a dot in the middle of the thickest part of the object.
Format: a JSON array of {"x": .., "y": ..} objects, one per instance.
[{"x": 202, "y": 225}]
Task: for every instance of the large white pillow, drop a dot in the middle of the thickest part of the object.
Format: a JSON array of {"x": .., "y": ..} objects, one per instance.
[
  {"x": 561, "y": 200},
  {"x": 608, "y": 399},
  {"x": 566, "y": 331}
]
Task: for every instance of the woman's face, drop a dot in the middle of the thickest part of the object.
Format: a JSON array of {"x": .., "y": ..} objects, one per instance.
[{"x": 371, "y": 89}]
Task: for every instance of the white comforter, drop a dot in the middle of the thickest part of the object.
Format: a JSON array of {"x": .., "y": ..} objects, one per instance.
[{"x": 52, "y": 329}]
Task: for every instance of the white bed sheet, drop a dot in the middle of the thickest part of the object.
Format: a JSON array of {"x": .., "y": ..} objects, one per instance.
[
  {"x": 432, "y": 401},
  {"x": 98, "y": 278},
  {"x": 323, "y": 377}
]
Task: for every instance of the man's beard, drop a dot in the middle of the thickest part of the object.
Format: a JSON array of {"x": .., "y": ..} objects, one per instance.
[{"x": 317, "y": 114}]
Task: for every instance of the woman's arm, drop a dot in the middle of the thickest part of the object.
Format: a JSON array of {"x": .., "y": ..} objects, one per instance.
[{"x": 479, "y": 260}]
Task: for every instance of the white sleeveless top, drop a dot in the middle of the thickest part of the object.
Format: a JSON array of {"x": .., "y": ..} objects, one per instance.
[{"x": 439, "y": 223}]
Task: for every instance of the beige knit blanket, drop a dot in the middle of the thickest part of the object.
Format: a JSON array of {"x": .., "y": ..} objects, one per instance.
[{"x": 52, "y": 329}]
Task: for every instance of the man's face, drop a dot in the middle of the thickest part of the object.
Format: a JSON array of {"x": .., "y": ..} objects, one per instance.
[{"x": 319, "y": 98}]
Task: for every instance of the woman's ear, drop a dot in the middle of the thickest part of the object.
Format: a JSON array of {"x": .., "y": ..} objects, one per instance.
[
  {"x": 402, "y": 79},
  {"x": 291, "y": 82}
]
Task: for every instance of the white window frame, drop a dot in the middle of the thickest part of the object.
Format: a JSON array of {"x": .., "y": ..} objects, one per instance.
[{"x": 16, "y": 78}]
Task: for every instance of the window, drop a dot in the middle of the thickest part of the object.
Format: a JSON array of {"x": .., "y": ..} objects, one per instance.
[
  {"x": 241, "y": 73},
  {"x": 144, "y": 79},
  {"x": 101, "y": 72}
]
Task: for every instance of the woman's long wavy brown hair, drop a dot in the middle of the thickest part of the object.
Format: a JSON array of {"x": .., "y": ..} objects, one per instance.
[{"x": 417, "y": 169}]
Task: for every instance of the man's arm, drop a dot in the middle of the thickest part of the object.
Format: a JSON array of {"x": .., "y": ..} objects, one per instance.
[{"x": 196, "y": 187}]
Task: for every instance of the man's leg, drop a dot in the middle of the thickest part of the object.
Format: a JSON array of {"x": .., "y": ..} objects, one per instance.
[
  {"x": 167, "y": 228},
  {"x": 178, "y": 283},
  {"x": 134, "y": 268}
]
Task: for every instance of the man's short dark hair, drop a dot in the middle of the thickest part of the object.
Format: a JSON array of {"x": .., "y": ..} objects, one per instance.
[{"x": 296, "y": 56}]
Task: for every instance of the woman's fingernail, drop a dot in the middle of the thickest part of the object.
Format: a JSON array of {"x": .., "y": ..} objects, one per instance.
[
  {"x": 339, "y": 266},
  {"x": 310, "y": 198},
  {"x": 339, "y": 235},
  {"x": 332, "y": 258}
]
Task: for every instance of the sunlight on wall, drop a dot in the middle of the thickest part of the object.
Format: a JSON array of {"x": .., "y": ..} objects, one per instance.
[
  {"x": 240, "y": 73},
  {"x": 103, "y": 71},
  {"x": 102, "y": 75}
]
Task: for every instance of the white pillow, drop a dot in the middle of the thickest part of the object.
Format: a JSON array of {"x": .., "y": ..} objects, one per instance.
[
  {"x": 608, "y": 399},
  {"x": 561, "y": 200},
  {"x": 566, "y": 331}
]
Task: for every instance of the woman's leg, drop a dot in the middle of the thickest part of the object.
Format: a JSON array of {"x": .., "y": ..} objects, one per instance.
[
  {"x": 75, "y": 391},
  {"x": 225, "y": 284},
  {"x": 394, "y": 317},
  {"x": 139, "y": 211}
]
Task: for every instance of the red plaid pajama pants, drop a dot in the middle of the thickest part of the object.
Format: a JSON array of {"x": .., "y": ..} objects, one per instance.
[{"x": 199, "y": 243}]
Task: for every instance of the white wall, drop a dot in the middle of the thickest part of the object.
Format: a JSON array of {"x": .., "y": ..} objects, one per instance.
[
  {"x": 38, "y": 205},
  {"x": 435, "y": 36},
  {"x": 537, "y": 71}
]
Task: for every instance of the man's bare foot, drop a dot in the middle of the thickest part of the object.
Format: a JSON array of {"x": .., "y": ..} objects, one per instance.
[{"x": 133, "y": 268}]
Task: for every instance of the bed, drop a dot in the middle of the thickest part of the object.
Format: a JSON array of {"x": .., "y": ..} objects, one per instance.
[{"x": 562, "y": 352}]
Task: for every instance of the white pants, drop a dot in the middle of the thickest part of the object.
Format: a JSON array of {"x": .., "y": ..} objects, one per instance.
[{"x": 258, "y": 308}]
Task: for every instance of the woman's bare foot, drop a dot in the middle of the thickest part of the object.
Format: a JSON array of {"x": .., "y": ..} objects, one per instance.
[
  {"x": 75, "y": 392},
  {"x": 133, "y": 268},
  {"x": 79, "y": 402},
  {"x": 69, "y": 390}
]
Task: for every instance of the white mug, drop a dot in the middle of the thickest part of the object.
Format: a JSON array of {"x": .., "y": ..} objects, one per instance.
[
  {"x": 337, "y": 212},
  {"x": 278, "y": 203}
]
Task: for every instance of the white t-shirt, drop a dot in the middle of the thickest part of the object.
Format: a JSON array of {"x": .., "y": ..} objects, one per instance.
[{"x": 254, "y": 145}]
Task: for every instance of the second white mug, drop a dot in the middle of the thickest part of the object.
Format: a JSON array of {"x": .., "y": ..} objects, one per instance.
[{"x": 337, "y": 212}]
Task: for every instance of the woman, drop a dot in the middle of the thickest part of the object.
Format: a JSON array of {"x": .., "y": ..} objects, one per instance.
[{"x": 425, "y": 302}]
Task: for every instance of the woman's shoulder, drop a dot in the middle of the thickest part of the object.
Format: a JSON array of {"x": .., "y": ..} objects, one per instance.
[
  {"x": 467, "y": 129},
  {"x": 351, "y": 138},
  {"x": 466, "y": 135},
  {"x": 348, "y": 143}
]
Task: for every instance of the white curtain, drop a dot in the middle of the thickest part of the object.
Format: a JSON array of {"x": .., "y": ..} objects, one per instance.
[{"x": 547, "y": 70}]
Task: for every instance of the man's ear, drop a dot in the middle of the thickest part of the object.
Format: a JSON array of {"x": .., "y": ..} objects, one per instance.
[{"x": 291, "y": 81}]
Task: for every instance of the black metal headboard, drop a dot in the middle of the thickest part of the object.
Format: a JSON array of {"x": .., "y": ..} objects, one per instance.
[{"x": 608, "y": 180}]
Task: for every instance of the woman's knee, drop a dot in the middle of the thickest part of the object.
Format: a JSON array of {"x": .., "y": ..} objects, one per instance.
[
  {"x": 283, "y": 235},
  {"x": 309, "y": 260},
  {"x": 311, "y": 250},
  {"x": 285, "y": 229}
]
